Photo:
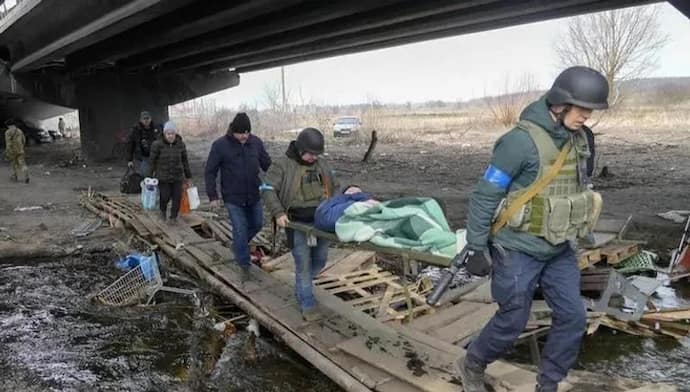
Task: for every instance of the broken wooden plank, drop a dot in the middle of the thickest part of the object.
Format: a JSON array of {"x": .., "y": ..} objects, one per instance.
[
  {"x": 385, "y": 302},
  {"x": 668, "y": 315}
]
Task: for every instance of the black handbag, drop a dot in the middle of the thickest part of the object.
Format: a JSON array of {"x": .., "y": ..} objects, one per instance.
[{"x": 130, "y": 182}]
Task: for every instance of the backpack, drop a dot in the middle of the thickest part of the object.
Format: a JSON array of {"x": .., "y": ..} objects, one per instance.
[{"x": 130, "y": 182}]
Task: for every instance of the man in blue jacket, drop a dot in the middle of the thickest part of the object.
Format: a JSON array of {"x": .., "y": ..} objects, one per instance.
[
  {"x": 239, "y": 156},
  {"x": 330, "y": 210}
]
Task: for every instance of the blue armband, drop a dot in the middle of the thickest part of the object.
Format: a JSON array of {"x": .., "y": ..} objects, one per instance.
[{"x": 497, "y": 177}]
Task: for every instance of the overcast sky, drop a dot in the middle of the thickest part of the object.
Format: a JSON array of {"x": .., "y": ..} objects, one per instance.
[{"x": 450, "y": 69}]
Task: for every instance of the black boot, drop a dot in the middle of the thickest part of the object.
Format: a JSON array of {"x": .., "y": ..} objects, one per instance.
[
  {"x": 546, "y": 388},
  {"x": 245, "y": 275},
  {"x": 472, "y": 378}
]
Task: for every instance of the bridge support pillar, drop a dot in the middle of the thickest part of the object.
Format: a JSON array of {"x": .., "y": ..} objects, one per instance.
[{"x": 109, "y": 105}]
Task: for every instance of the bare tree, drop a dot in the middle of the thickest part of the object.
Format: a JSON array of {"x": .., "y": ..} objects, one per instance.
[
  {"x": 272, "y": 97},
  {"x": 516, "y": 94},
  {"x": 373, "y": 113},
  {"x": 621, "y": 44}
]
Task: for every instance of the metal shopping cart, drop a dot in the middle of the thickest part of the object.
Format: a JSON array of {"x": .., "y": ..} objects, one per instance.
[{"x": 140, "y": 283}]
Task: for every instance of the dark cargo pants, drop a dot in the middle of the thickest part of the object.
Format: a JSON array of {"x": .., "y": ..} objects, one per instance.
[{"x": 514, "y": 279}]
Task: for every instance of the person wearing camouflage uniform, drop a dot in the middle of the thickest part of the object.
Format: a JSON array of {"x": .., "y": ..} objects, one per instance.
[
  {"x": 14, "y": 151},
  {"x": 533, "y": 245}
]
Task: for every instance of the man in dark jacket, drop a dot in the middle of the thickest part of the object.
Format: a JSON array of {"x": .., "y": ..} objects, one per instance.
[
  {"x": 171, "y": 167},
  {"x": 141, "y": 138},
  {"x": 240, "y": 156},
  {"x": 530, "y": 243}
]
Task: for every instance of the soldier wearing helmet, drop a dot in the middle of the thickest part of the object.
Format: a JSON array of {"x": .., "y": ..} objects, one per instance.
[
  {"x": 531, "y": 205},
  {"x": 295, "y": 186}
]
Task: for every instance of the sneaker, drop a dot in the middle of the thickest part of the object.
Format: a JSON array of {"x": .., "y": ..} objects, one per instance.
[
  {"x": 310, "y": 315},
  {"x": 163, "y": 216},
  {"x": 26, "y": 181},
  {"x": 472, "y": 379},
  {"x": 172, "y": 221}
]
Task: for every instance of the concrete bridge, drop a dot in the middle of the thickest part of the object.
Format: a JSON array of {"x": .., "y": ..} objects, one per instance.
[{"x": 111, "y": 58}]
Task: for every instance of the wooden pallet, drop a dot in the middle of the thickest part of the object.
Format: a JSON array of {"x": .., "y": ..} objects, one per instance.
[
  {"x": 587, "y": 258},
  {"x": 378, "y": 293},
  {"x": 617, "y": 252}
]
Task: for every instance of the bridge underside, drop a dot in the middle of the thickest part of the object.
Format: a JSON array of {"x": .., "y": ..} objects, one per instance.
[{"x": 198, "y": 43}]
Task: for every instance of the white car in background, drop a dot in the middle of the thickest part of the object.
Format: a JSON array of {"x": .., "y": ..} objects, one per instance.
[{"x": 346, "y": 126}]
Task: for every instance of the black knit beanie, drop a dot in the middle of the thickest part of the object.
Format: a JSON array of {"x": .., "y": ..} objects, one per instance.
[{"x": 240, "y": 124}]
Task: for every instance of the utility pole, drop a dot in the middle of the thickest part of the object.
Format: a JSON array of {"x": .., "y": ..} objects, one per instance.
[{"x": 282, "y": 84}]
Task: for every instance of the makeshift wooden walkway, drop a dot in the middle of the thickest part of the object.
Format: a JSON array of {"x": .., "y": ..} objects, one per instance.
[{"x": 377, "y": 333}]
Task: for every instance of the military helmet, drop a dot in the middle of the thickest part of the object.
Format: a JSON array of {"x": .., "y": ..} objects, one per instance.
[
  {"x": 310, "y": 140},
  {"x": 580, "y": 86}
]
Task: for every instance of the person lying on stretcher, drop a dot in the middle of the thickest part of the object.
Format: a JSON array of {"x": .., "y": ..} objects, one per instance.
[
  {"x": 416, "y": 223},
  {"x": 330, "y": 210}
]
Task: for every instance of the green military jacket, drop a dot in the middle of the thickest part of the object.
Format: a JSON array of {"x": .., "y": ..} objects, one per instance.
[
  {"x": 283, "y": 185},
  {"x": 14, "y": 143},
  {"x": 514, "y": 165}
]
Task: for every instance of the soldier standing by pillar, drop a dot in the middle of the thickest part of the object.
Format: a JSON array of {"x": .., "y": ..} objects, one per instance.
[{"x": 14, "y": 150}]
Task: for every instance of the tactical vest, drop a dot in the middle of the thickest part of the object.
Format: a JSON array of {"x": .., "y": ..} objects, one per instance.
[
  {"x": 565, "y": 209},
  {"x": 313, "y": 187}
]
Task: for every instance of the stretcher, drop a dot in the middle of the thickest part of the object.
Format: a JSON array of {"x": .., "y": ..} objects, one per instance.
[{"x": 409, "y": 257}]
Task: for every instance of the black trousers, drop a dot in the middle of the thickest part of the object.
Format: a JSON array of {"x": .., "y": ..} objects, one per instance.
[{"x": 170, "y": 190}]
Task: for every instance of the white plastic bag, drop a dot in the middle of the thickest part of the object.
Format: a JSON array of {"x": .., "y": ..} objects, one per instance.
[
  {"x": 193, "y": 196},
  {"x": 149, "y": 193}
]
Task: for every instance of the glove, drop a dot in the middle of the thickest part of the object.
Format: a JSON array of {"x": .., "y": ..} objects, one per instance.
[{"x": 479, "y": 263}]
